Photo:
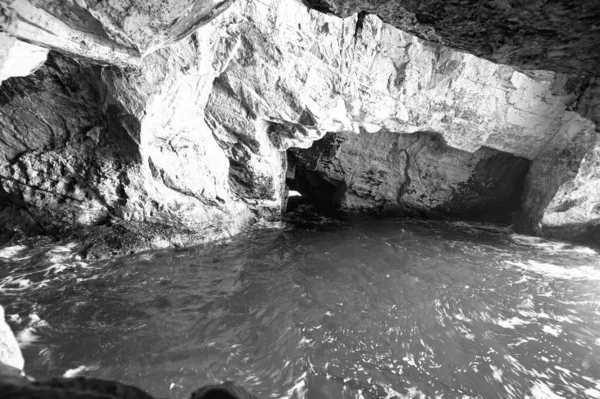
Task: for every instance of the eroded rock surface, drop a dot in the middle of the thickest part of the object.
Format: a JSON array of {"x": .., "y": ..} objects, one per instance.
[
  {"x": 18, "y": 58},
  {"x": 193, "y": 141},
  {"x": 321, "y": 74},
  {"x": 560, "y": 36},
  {"x": 77, "y": 161},
  {"x": 561, "y": 197},
  {"x": 309, "y": 73},
  {"x": 410, "y": 174},
  {"x": 109, "y": 32},
  {"x": 11, "y": 359}
]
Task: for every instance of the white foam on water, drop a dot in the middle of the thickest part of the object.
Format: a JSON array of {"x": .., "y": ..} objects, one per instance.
[
  {"x": 410, "y": 360},
  {"x": 461, "y": 316},
  {"x": 552, "y": 330},
  {"x": 515, "y": 363},
  {"x": 15, "y": 283},
  {"x": 11, "y": 252},
  {"x": 551, "y": 246},
  {"x": 270, "y": 224},
  {"x": 564, "y": 370},
  {"x": 79, "y": 370},
  {"x": 19, "y": 282},
  {"x": 413, "y": 393},
  {"x": 592, "y": 393},
  {"x": 496, "y": 373},
  {"x": 475, "y": 226},
  {"x": 26, "y": 337},
  {"x": 542, "y": 391},
  {"x": 510, "y": 323},
  {"x": 523, "y": 279},
  {"x": 590, "y": 273},
  {"x": 466, "y": 333},
  {"x": 36, "y": 321},
  {"x": 567, "y": 319},
  {"x": 521, "y": 341},
  {"x": 299, "y": 389},
  {"x": 60, "y": 253}
]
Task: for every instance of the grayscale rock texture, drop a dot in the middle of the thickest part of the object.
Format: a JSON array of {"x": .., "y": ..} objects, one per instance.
[
  {"x": 559, "y": 36},
  {"x": 179, "y": 122}
]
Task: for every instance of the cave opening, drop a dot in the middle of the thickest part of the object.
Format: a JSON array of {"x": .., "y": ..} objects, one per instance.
[
  {"x": 306, "y": 186},
  {"x": 415, "y": 175},
  {"x": 145, "y": 165}
]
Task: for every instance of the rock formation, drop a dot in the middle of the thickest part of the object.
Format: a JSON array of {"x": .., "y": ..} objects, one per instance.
[
  {"x": 559, "y": 36},
  {"x": 113, "y": 33},
  {"x": 411, "y": 174},
  {"x": 11, "y": 358},
  {"x": 180, "y": 130}
]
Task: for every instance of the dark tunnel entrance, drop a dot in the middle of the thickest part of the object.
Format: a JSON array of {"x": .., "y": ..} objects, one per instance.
[
  {"x": 412, "y": 175},
  {"x": 312, "y": 186}
]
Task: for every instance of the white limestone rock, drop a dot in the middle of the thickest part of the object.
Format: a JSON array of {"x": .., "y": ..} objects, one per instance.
[
  {"x": 18, "y": 58},
  {"x": 10, "y": 354},
  {"x": 365, "y": 76},
  {"x": 108, "y": 32},
  {"x": 194, "y": 137}
]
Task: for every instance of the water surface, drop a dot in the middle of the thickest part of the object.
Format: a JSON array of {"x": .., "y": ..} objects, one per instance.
[{"x": 353, "y": 309}]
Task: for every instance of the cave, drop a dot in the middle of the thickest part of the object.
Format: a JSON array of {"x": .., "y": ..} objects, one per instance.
[
  {"x": 313, "y": 187},
  {"x": 313, "y": 199},
  {"x": 407, "y": 175},
  {"x": 193, "y": 136},
  {"x": 303, "y": 175}
]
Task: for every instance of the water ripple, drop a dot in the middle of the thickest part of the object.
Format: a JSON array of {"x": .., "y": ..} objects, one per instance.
[{"x": 320, "y": 308}]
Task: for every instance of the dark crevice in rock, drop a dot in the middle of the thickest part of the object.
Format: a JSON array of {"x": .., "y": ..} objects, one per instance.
[
  {"x": 360, "y": 23},
  {"x": 245, "y": 183},
  {"x": 319, "y": 5},
  {"x": 315, "y": 187}
]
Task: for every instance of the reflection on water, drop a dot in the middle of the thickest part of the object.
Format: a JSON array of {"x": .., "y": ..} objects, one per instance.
[{"x": 355, "y": 309}]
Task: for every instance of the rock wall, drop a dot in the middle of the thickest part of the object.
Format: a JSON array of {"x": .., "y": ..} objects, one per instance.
[
  {"x": 18, "y": 58},
  {"x": 109, "y": 32},
  {"x": 530, "y": 35},
  {"x": 410, "y": 174},
  {"x": 125, "y": 175},
  {"x": 302, "y": 74},
  {"x": 192, "y": 141},
  {"x": 536, "y": 35},
  {"x": 306, "y": 73},
  {"x": 561, "y": 199}
]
